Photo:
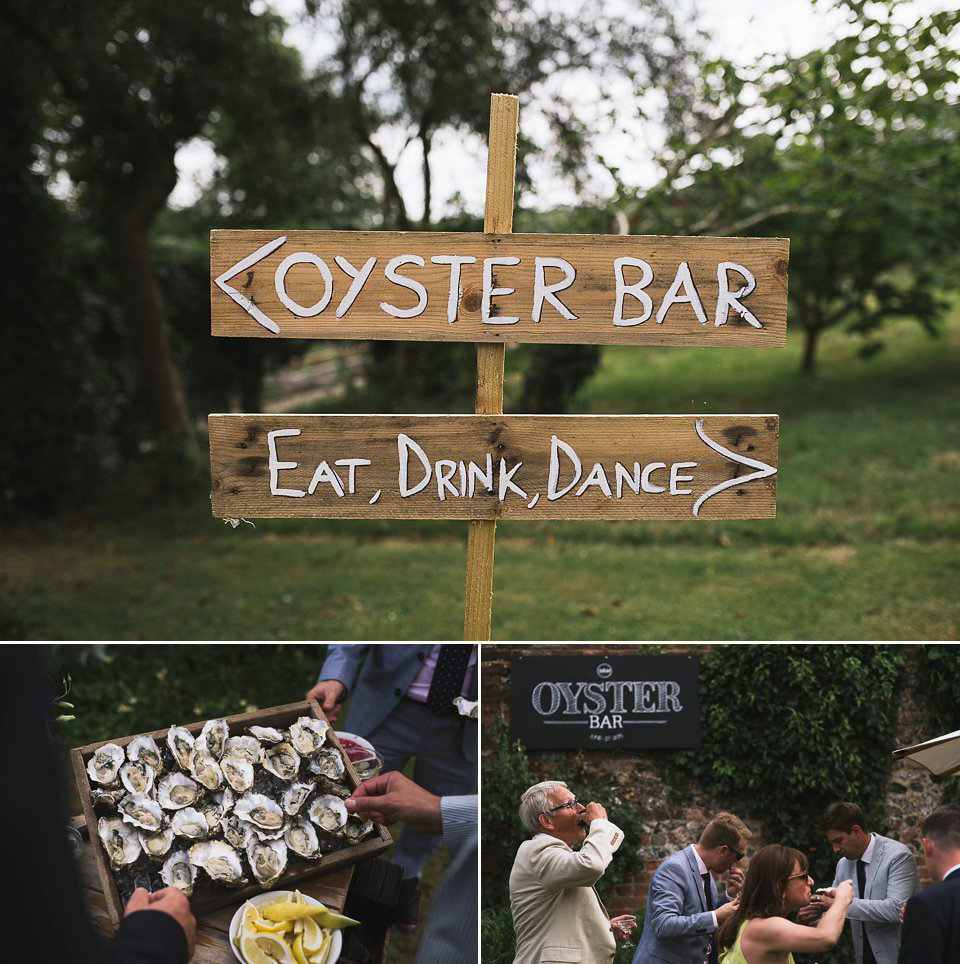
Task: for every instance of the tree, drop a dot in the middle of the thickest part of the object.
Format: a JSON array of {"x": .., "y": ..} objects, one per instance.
[
  {"x": 852, "y": 152},
  {"x": 127, "y": 84}
]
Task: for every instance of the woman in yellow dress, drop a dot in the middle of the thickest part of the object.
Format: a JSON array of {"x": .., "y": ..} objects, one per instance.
[{"x": 777, "y": 883}]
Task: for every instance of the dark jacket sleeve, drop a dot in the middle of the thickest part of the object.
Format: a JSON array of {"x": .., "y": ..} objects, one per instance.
[
  {"x": 920, "y": 939},
  {"x": 149, "y": 937}
]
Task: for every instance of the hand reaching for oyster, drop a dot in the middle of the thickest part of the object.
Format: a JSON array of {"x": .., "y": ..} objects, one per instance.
[{"x": 391, "y": 797}]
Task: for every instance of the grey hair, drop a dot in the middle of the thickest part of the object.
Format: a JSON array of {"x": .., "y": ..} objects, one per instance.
[{"x": 535, "y": 801}]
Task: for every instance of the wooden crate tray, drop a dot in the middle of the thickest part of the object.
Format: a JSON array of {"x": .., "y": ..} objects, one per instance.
[{"x": 297, "y": 867}]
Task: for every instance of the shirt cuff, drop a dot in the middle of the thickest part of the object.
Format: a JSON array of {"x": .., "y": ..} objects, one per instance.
[
  {"x": 459, "y": 819},
  {"x": 716, "y": 923}
]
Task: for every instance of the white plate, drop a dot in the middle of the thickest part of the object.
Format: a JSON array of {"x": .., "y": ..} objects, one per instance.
[
  {"x": 360, "y": 741},
  {"x": 267, "y": 898}
]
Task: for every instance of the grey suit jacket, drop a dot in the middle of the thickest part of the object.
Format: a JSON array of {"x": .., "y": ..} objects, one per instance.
[
  {"x": 678, "y": 927},
  {"x": 387, "y": 672},
  {"x": 891, "y": 879},
  {"x": 557, "y": 913}
]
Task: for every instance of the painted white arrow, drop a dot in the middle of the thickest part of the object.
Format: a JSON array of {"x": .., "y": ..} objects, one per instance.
[
  {"x": 763, "y": 470},
  {"x": 245, "y": 303}
]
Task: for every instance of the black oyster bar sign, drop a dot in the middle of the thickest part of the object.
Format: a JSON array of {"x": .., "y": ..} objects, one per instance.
[{"x": 567, "y": 702}]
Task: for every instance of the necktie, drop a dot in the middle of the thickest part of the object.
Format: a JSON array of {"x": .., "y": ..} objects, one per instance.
[
  {"x": 712, "y": 952},
  {"x": 868, "y": 957},
  {"x": 448, "y": 677}
]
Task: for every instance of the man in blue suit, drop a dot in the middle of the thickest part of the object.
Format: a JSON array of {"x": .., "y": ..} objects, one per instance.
[
  {"x": 683, "y": 906},
  {"x": 884, "y": 872},
  {"x": 931, "y": 920},
  {"x": 401, "y": 700}
]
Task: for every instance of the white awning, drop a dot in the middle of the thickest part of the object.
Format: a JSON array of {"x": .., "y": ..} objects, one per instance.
[{"x": 941, "y": 756}]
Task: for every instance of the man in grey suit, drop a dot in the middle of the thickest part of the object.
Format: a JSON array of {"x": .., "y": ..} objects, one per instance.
[
  {"x": 401, "y": 700},
  {"x": 683, "y": 906},
  {"x": 884, "y": 873}
]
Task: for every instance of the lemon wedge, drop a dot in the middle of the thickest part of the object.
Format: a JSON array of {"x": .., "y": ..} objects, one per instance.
[
  {"x": 270, "y": 926},
  {"x": 266, "y": 949},
  {"x": 250, "y": 914},
  {"x": 327, "y": 918},
  {"x": 320, "y": 957},
  {"x": 298, "y": 950},
  {"x": 286, "y": 910},
  {"x": 312, "y": 936}
]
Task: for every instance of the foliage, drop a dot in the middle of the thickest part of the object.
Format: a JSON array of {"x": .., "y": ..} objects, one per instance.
[
  {"x": 852, "y": 152},
  {"x": 939, "y": 675},
  {"x": 497, "y": 938},
  {"x": 783, "y": 760}
]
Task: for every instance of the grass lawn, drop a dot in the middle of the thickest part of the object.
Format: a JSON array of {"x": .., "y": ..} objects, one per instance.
[{"x": 866, "y": 543}]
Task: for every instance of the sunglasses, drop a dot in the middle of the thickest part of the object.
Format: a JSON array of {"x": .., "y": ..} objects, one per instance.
[
  {"x": 803, "y": 876},
  {"x": 736, "y": 853},
  {"x": 569, "y": 805}
]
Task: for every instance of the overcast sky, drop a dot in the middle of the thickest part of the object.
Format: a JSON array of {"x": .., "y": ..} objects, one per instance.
[{"x": 740, "y": 29}]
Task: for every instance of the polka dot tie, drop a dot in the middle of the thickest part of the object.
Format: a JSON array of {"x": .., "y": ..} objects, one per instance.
[{"x": 448, "y": 677}]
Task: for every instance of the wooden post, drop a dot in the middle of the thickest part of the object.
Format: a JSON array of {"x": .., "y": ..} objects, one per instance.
[{"x": 497, "y": 219}]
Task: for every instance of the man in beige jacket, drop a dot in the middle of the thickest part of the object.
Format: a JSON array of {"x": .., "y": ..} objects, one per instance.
[{"x": 557, "y": 913}]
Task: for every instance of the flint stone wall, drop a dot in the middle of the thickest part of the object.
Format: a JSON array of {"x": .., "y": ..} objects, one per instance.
[{"x": 911, "y": 791}]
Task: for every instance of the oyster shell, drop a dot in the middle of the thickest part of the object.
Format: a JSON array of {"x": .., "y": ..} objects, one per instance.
[
  {"x": 120, "y": 841},
  {"x": 295, "y": 796},
  {"x": 329, "y": 813},
  {"x": 266, "y": 734},
  {"x": 105, "y": 801},
  {"x": 140, "y": 811},
  {"x": 206, "y": 770},
  {"x": 308, "y": 734},
  {"x": 157, "y": 844},
  {"x": 268, "y": 859},
  {"x": 301, "y": 838},
  {"x": 213, "y": 813},
  {"x": 282, "y": 761},
  {"x": 235, "y": 831},
  {"x": 144, "y": 748},
  {"x": 213, "y": 736},
  {"x": 181, "y": 743},
  {"x": 104, "y": 766},
  {"x": 190, "y": 822},
  {"x": 244, "y": 748},
  {"x": 137, "y": 777},
  {"x": 356, "y": 829},
  {"x": 260, "y": 810},
  {"x": 219, "y": 860},
  {"x": 328, "y": 763},
  {"x": 238, "y": 773},
  {"x": 175, "y": 790},
  {"x": 179, "y": 872}
]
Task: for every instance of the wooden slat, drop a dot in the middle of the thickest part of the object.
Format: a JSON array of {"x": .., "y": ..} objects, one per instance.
[
  {"x": 498, "y": 217},
  {"x": 591, "y": 297},
  {"x": 298, "y": 872},
  {"x": 242, "y": 484}
]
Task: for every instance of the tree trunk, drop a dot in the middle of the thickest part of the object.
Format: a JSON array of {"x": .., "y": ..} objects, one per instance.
[
  {"x": 810, "y": 336},
  {"x": 143, "y": 313}
]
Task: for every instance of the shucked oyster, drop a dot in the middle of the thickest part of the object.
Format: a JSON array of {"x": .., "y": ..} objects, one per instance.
[
  {"x": 268, "y": 859},
  {"x": 137, "y": 777},
  {"x": 355, "y": 829},
  {"x": 176, "y": 790},
  {"x": 295, "y": 797},
  {"x": 177, "y": 871},
  {"x": 213, "y": 736},
  {"x": 158, "y": 844},
  {"x": 190, "y": 822},
  {"x": 329, "y": 813},
  {"x": 259, "y": 810},
  {"x": 140, "y": 811},
  {"x": 144, "y": 748},
  {"x": 104, "y": 765},
  {"x": 206, "y": 770},
  {"x": 244, "y": 748},
  {"x": 237, "y": 772},
  {"x": 266, "y": 734},
  {"x": 308, "y": 734},
  {"x": 301, "y": 838},
  {"x": 329, "y": 763},
  {"x": 219, "y": 860},
  {"x": 105, "y": 801},
  {"x": 282, "y": 761},
  {"x": 236, "y": 832},
  {"x": 181, "y": 743},
  {"x": 120, "y": 841}
]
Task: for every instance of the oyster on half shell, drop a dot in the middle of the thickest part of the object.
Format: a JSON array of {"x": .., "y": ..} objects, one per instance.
[
  {"x": 328, "y": 813},
  {"x": 308, "y": 734},
  {"x": 104, "y": 766},
  {"x": 259, "y": 810},
  {"x": 206, "y": 770},
  {"x": 120, "y": 841},
  {"x": 301, "y": 838},
  {"x": 219, "y": 860},
  {"x": 144, "y": 748},
  {"x": 190, "y": 822},
  {"x": 156, "y": 845},
  {"x": 282, "y": 761},
  {"x": 175, "y": 790},
  {"x": 140, "y": 811},
  {"x": 267, "y": 858},
  {"x": 181, "y": 743},
  {"x": 137, "y": 777},
  {"x": 213, "y": 736},
  {"x": 179, "y": 872}
]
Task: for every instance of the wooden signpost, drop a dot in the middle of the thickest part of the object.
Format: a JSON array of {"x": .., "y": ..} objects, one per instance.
[{"x": 490, "y": 289}]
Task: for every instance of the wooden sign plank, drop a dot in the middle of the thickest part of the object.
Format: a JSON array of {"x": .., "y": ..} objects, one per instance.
[
  {"x": 494, "y": 466},
  {"x": 548, "y": 288}
]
